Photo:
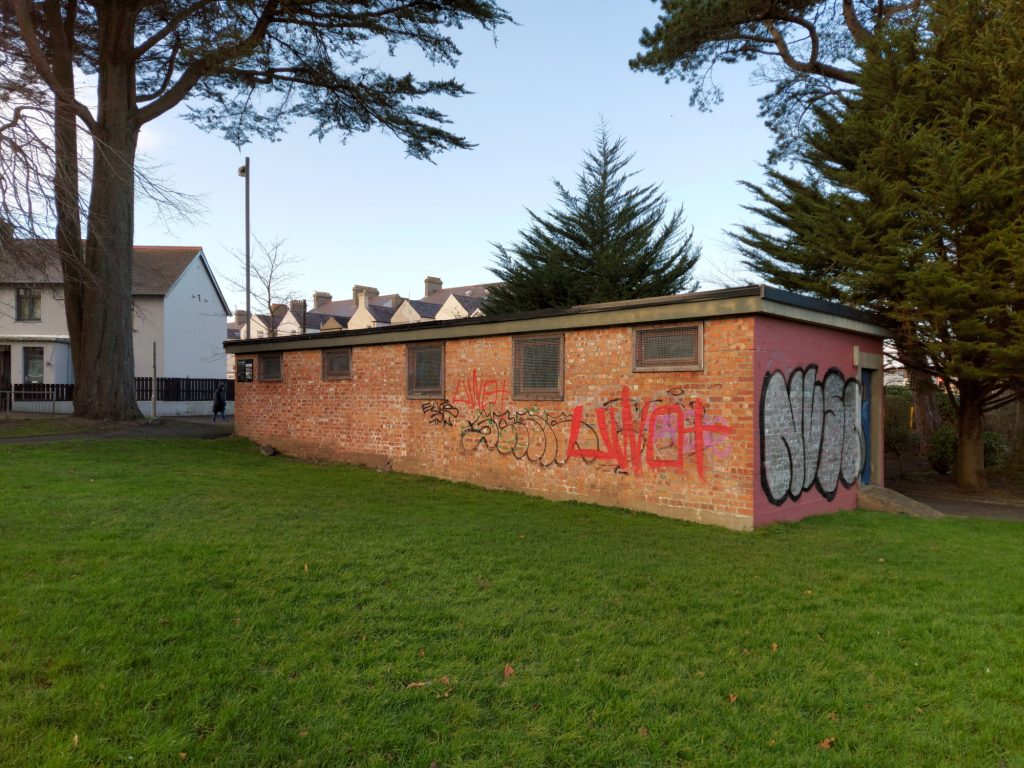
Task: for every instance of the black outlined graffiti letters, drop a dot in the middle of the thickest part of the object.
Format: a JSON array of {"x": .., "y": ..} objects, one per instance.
[{"x": 810, "y": 433}]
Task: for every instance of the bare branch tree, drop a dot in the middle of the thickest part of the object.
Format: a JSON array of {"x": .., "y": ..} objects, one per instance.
[{"x": 271, "y": 277}]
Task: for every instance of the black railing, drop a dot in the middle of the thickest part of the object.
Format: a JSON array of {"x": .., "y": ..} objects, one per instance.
[
  {"x": 43, "y": 392},
  {"x": 170, "y": 390},
  {"x": 167, "y": 390}
]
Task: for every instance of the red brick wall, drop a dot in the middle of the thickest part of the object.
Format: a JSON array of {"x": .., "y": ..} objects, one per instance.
[{"x": 482, "y": 435}]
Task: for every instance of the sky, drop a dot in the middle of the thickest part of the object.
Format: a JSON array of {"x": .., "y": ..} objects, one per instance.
[{"x": 360, "y": 211}]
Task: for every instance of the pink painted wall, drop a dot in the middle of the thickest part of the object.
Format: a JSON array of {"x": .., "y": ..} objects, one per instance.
[{"x": 792, "y": 353}]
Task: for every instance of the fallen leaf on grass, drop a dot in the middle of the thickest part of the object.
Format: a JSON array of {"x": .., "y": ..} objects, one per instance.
[
  {"x": 772, "y": 742},
  {"x": 303, "y": 734},
  {"x": 183, "y": 756},
  {"x": 419, "y": 684},
  {"x": 919, "y": 710},
  {"x": 644, "y": 733},
  {"x": 74, "y": 741},
  {"x": 509, "y": 671},
  {"x": 444, "y": 680},
  {"x": 421, "y": 653},
  {"x": 833, "y": 717},
  {"x": 775, "y": 647},
  {"x": 305, "y": 567},
  {"x": 732, "y": 698},
  {"x": 827, "y": 743}
]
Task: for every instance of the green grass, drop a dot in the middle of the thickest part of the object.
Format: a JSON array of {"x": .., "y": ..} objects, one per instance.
[
  {"x": 155, "y": 601},
  {"x": 12, "y": 425}
]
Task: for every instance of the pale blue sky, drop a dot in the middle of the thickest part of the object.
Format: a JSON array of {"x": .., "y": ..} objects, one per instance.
[{"x": 362, "y": 212}]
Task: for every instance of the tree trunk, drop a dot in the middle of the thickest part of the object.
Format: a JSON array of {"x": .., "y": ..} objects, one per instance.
[
  {"x": 926, "y": 410},
  {"x": 100, "y": 305},
  {"x": 970, "y": 457},
  {"x": 66, "y": 176}
]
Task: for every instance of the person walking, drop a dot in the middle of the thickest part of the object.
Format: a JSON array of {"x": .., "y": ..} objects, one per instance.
[{"x": 220, "y": 402}]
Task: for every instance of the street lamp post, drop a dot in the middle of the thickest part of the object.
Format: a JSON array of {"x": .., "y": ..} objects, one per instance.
[{"x": 243, "y": 171}]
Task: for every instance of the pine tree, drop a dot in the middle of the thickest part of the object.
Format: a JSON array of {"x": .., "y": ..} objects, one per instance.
[
  {"x": 913, "y": 207},
  {"x": 606, "y": 242}
]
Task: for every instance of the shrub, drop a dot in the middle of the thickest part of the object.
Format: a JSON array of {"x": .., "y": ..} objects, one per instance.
[
  {"x": 942, "y": 449},
  {"x": 944, "y": 443}
]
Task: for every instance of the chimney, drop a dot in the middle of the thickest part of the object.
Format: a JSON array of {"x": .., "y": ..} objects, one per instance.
[
  {"x": 361, "y": 294},
  {"x": 298, "y": 310},
  {"x": 431, "y": 286},
  {"x": 239, "y": 317},
  {"x": 320, "y": 298}
]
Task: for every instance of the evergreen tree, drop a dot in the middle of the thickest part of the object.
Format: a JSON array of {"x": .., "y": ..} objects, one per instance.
[
  {"x": 913, "y": 206},
  {"x": 607, "y": 242}
]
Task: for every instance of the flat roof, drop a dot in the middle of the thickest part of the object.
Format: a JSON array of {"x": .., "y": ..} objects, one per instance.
[{"x": 726, "y": 302}]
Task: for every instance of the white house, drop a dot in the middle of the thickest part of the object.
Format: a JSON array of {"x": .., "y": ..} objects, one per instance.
[{"x": 177, "y": 305}]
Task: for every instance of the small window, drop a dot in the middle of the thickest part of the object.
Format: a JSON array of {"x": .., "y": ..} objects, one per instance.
[
  {"x": 243, "y": 369},
  {"x": 33, "y": 359},
  {"x": 669, "y": 348},
  {"x": 537, "y": 367},
  {"x": 337, "y": 364},
  {"x": 270, "y": 366},
  {"x": 425, "y": 373},
  {"x": 28, "y": 304}
]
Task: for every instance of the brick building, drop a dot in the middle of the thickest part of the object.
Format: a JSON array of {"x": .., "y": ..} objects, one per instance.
[{"x": 739, "y": 407}]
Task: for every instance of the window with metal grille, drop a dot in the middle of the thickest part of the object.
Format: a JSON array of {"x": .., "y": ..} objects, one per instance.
[
  {"x": 669, "y": 348},
  {"x": 337, "y": 364},
  {"x": 243, "y": 369},
  {"x": 28, "y": 305},
  {"x": 270, "y": 366},
  {"x": 425, "y": 370},
  {"x": 537, "y": 367}
]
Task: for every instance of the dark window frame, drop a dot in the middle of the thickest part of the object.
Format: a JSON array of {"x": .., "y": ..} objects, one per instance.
[
  {"x": 339, "y": 351},
  {"x": 521, "y": 392},
  {"x": 33, "y": 298},
  {"x": 240, "y": 367},
  {"x": 280, "y": 371},
  {"x": 643, "y": 364},
  {"x": 412, "y": 392},
  {"x": 24, "y": 364}
]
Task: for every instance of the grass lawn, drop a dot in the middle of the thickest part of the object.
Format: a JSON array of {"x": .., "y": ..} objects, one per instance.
[
  {"x": 18, "y": 425},
  {"x": 170, "y": 602}
]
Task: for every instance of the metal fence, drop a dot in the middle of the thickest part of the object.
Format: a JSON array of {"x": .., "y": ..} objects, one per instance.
[
  {"x": 42, "y": 398},
  {"x": 169, "y": 390}
]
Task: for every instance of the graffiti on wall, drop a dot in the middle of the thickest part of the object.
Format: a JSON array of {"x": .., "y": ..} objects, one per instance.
[
  {"x": 657, "y": 434},
  {"x": 810, "y": 433},
  {"x": 626, "y": 435},
  {"x": 440, "y": 412},
  {"x": 531, "y": 434},
  {"x": 480, "y": 394}
]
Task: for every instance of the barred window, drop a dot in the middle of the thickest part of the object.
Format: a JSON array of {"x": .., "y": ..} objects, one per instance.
[
  {"x": 243, "y": 369},
  {"x": 537, "y": 367},
  {"x": 270, "y": 366},
  {"x": 337, "y": 364},
  {"x": 669, "y": 348},
  {"x": 425, "y": 370}
]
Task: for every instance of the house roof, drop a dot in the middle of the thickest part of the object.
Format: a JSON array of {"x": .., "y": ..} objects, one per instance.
[
  {"x": 273, "y": 320},
  {"x": 469, "y": 303},
  {"x": 424, "y": 308},
  {"x": 379, "y": 313},
  {"x": 155, "y": 268},
  {"x": 345, "y": 308},
  {"x": 481, "y": 291},
  {"x": 727, "y": 302}
]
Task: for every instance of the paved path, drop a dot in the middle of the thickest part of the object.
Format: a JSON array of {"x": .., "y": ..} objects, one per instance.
[
  {"x": 164, "y": 427},
  {"x": 943, "y": 496}
]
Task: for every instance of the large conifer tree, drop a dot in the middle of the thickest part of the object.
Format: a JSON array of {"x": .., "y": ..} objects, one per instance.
[
  {"x": 607, "y": 242},
  {"x": 913, "y": 206}
]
